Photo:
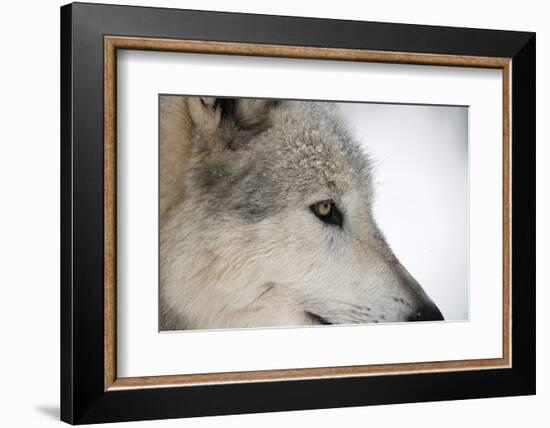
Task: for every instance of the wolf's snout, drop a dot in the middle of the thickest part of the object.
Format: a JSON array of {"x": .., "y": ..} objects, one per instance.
[{"x": 426, "y": 312}]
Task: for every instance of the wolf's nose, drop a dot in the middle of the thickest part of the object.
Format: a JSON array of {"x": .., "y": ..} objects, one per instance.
[{"x": 427, "y": 313}]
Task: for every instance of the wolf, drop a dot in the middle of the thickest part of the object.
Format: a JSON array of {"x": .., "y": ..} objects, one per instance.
[{"x": 266, "y": 220}]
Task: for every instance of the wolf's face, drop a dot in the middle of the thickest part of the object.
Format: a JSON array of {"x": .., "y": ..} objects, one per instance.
[{"x": 276, "y": 226}]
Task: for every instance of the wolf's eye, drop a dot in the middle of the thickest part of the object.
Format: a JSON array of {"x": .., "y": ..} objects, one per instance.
[{"x": 328, "y": 212}]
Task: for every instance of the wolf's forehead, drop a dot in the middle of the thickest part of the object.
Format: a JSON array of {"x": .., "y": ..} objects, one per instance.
[{"x": 312, "y": 140}]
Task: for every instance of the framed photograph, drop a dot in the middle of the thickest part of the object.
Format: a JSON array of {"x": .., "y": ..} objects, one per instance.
[{"x": 266, "y": 213}]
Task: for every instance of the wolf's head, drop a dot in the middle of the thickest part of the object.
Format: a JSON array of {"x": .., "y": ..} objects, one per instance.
[{"x": 276, "y": 226}]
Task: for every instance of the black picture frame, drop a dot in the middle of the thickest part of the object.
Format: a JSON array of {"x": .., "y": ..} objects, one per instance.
[{"x": 83, "y": 396}]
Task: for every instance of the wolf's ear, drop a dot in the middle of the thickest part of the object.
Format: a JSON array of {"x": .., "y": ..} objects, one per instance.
[
  {"x": 204, "y": 114},
  {"x": 253, "y": 112},
  {"x": 230, "y": 116}
]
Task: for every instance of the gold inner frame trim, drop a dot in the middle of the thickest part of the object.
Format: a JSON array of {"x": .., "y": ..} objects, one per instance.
[{"x": 113, "y": 43}]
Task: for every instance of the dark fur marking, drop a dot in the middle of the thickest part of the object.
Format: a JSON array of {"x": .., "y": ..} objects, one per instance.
[{"x": 251, "y": 193}]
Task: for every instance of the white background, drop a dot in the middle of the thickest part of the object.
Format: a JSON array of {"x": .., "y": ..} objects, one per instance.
[
  {"x": 29, "y": 231},
  {"x": 420, "y": 158},
  {"x": 413, "y": 205}
]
